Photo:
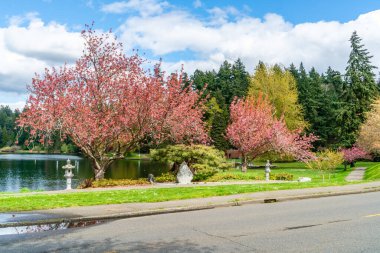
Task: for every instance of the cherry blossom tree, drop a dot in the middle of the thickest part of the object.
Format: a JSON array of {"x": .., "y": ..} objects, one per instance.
[
  {"x": 107, "y": 104},
  {"x": 254, "y": 130},
  {"x": 354, "y": 153}
]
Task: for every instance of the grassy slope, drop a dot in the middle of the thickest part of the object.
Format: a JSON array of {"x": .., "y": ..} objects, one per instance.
[{"x": 372, "y": 172}]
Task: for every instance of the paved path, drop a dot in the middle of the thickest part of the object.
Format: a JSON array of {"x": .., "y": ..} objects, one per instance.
[{"x": 356, "y": 175}]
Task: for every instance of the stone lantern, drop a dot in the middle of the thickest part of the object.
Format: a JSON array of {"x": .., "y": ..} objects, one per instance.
[
  {"x": 267, "y": 170},
  {"x": 68, "y": 173}
]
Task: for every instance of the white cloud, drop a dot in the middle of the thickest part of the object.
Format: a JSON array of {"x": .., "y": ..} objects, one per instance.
[
  {"x": 220, "y": 16},
  {"x": 143, "y": 7},
  {"x": 272, "y": 39},
  {"x": 197, "y": 3},
  {"x": 28, "y": 45},
  {"x": 26, "y": 50},
  {"x": 13, "y": 99}
]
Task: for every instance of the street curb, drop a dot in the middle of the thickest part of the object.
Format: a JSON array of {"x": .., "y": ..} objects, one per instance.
[{"x": 136, "y": 214}]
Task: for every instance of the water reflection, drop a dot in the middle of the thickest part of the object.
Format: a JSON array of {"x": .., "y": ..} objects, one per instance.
[{"x": 44, "y": 172}]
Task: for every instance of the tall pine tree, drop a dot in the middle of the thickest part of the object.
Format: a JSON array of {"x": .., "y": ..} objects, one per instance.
[{"x": 359, "y": 90}]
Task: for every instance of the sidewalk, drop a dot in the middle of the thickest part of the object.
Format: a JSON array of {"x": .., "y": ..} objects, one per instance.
[
  {"x": 117, "y": 211},
  {"x": 356, "y": 175}
]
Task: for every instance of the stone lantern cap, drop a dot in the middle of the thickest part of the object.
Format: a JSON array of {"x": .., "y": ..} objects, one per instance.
[{"x": 68, "y": 165}]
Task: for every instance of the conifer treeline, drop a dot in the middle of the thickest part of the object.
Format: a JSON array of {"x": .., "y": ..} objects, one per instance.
[{"x": 331, "y": 105}]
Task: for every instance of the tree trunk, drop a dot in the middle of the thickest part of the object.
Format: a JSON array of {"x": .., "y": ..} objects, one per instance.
[
  {"x": 244, "y": 163},
  {"x": 100, "y": 167}
]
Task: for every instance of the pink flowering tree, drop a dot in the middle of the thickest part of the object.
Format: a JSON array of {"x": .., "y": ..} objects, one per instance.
[
  {"x": 107, "y": 104},
  {"x": 254, "y": 131},
  {"x": 351, "y": 155}
]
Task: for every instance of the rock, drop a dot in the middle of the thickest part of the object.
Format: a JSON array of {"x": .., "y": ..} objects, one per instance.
[
  {"x": 304, "y": 179},
  {"x": 184, "y": 175}
]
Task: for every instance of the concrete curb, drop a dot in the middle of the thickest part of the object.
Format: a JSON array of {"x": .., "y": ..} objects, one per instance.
[{"x": 236, "y": 202}]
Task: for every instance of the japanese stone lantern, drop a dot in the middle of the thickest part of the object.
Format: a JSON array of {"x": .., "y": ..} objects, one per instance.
[{"x": 68, "y": 173}]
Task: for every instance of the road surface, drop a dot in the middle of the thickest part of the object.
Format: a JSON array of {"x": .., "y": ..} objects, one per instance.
[{"x": 348, "y": 223}]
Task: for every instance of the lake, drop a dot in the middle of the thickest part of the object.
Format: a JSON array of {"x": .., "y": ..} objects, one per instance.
[{"x": 44, "y": 171}]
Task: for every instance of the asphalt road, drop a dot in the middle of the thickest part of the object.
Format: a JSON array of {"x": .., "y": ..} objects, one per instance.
[{"x": 348, "y": 223}]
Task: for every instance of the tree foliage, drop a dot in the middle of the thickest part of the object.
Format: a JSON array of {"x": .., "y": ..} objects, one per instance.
[
  {"x": 203, "y": 160},
  {"x": 369, "y": 136},
  {"x": 281, "y": 88},
  {"x": 254, "y": 131},
  {"x": 351, "y": 155},
  {"x": 326, "y": 161},
  {"x": 222, "y": 86},
  {"x": 107, "y": 104},
  {"x": 359, "y": 90}
]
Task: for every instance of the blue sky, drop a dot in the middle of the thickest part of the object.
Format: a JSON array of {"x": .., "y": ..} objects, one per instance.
[
  {"x": 79, "y": 12},
  {"x": 35, "y": 34}
]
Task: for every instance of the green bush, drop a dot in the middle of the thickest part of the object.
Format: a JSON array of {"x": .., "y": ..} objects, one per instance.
[
  {"x": 326, "y": 161},
  {"x": 230, "y": 176},
  {"x": 68, "y": 148},
  {"x": 204, "y": 161},
  {"x": 165, "y": 178},
  {"x": 282, "y": 176},
  {"x": 11, "y": 149},
  {"x": 203, "y": 171},
  {"x": 25, "y": 189},
  {"x": 119, "y": 182}
]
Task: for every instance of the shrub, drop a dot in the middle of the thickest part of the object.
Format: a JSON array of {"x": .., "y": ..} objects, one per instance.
[
  {"x": 203, "y": 160},
  {"x": 165, "y": 178},
  {"x": 326, "y": 161},
  {"x": 10, "y": 149},
  {"x": 203, "y": 171},
  {"x": 230, "y": 176},
  {"x": 282, "y": 176},
  {"x": 25, "y": 189},
  {"x": 68, "y": 148},
  {"x": 119, "y": 182}
]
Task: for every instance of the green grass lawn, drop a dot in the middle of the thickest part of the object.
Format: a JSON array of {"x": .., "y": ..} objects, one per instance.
[
  {"x": 297, "y": 169},
  {"x": 38, "y": 201},
  {"x": 372, "y": 172}
]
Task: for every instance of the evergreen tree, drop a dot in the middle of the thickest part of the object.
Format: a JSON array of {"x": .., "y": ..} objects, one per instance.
[
  {"x": 220, "y": 123},
  {"x": 223, "y": 86},
  {"x": 320, "y": 97},
  {"x": 359, "y": 90},
  {"x": 333, "y": 86}
]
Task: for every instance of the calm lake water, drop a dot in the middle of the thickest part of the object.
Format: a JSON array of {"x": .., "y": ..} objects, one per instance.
[{"x": 44, "y": 172}]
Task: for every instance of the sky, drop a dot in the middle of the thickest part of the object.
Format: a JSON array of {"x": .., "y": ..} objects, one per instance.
[{"x": 198, "y": 34}]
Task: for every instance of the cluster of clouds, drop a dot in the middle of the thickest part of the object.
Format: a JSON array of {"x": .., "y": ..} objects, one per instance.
[{"x": 28, "y": 44}]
